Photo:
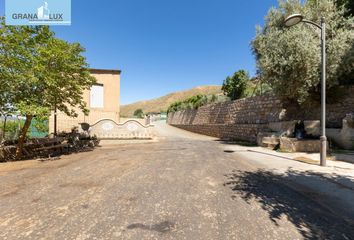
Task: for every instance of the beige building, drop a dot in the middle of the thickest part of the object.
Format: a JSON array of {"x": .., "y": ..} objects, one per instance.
[{"x": 102, "y": 100}]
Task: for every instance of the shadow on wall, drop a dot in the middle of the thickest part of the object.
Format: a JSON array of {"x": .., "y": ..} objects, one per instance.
[{"x": 300, "y": 206}]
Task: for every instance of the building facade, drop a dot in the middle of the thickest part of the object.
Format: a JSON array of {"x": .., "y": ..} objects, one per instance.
[{"x": 103, "y": 101}]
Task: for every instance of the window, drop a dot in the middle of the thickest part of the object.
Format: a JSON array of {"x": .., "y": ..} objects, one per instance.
[{"x": 96, "y": 96}]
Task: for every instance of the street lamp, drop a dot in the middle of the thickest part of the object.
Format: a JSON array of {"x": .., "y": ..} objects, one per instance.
[
  {"x": 293, "y": 20},
  {"x": 289, "y": 22}
]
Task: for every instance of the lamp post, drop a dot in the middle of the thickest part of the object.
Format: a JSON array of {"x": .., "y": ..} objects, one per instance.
[{"x": 289, "y": 22}]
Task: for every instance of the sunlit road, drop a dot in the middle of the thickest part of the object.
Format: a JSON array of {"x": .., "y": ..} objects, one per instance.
[{"x": 184, "y": 186}]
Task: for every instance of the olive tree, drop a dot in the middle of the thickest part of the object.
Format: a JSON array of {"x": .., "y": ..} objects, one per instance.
[
  {"x": 288, "y": 59},
  {"x": 40, "y": 72},
  {"x": 347, "y": 4}
]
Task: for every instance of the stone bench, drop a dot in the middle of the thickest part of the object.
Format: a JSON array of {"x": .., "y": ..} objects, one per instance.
[{"x": 300, "y": 145}]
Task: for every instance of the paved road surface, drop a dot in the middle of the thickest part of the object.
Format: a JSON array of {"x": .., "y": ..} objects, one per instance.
[{"x": 184, "y": 186}]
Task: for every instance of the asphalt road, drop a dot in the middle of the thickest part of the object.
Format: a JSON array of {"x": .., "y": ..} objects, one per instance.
[{"x": 184, "y": 186}]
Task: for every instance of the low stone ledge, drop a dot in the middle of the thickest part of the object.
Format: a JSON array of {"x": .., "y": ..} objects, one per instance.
[{"x": 300, "y": 145}]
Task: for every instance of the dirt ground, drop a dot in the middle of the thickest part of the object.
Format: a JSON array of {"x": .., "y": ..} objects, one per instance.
[{"x": 180, "y": 186}]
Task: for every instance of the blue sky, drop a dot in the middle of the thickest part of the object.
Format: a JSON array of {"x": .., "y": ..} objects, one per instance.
[{"x": 163, "y": 46}]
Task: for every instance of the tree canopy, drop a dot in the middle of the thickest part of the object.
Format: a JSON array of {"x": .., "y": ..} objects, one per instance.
[
  {"x": 288, "y": 59},
  {"x": 40, "y": 72},
  {"x": 234, "y": 87},
  {"x": 139, "y": 113},
  {"x": 348, "y": 5}
]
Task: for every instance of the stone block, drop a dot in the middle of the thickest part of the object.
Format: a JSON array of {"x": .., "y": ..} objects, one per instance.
[
  {"x": 300, "y": 145},
  {"x": 272, "y": 140},
  {"x": 286, "y": 127},
  {"x": 264, "y": 139},
  {"x": 344, "y": 138},
  {"x": 313, "y": 128}
]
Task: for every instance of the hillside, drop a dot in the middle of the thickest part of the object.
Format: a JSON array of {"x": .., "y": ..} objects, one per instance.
[{"x": 162, "y": 103}]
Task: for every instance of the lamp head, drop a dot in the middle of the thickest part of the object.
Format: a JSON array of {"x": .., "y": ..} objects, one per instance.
[{"x": 293, "y": 20}]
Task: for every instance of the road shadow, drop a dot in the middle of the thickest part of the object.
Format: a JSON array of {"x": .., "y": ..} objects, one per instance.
[
  {"x": 162, "y": 227},
  {"x": 236, "y": 142},
  {"x": 300, "y": 206}
]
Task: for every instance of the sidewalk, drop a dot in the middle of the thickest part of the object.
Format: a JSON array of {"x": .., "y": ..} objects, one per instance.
[
  {"x": 300, "y": 161},
  {"x": 346, "y": 156},
  {"x": 331, "y": 187}
]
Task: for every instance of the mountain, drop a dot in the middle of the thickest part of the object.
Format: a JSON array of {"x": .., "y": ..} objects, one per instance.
[{"x": 162, "y": 103}]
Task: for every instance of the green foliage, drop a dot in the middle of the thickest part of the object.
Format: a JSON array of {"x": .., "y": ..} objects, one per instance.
[
  {"x": 348, "y": 5},
  {"x": 288, "y": 59},
  {"x": 39, "y": 127},
  {"x": 256, "y": 87},
  {"x": 11, "y": 126},
  {"x": 195, "y": 102},
  {"x": 139, "y": 113},
  {"x": 11, "y": 129},
  {"x": 234, "y": 87},
  {"x": 40, "y": 71}
]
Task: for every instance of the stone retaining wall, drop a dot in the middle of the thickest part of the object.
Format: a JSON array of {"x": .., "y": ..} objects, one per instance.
[
  {"x": 244, "y": 111},
  {"x": 335, "y": 112},
  {"x": 242, "y": 132},
  {"x": 243, "y": 119}
]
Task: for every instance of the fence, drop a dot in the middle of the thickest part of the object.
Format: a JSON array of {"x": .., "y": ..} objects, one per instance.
[{"x": 11, "y": 130}]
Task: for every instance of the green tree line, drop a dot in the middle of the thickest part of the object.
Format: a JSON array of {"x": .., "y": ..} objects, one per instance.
[{"x": 194, "y": 102}]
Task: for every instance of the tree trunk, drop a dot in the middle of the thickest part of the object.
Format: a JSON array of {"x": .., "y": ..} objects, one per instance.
[
  {"x": 4, "y": 129},
  {"x": 22, "y": 137}
]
